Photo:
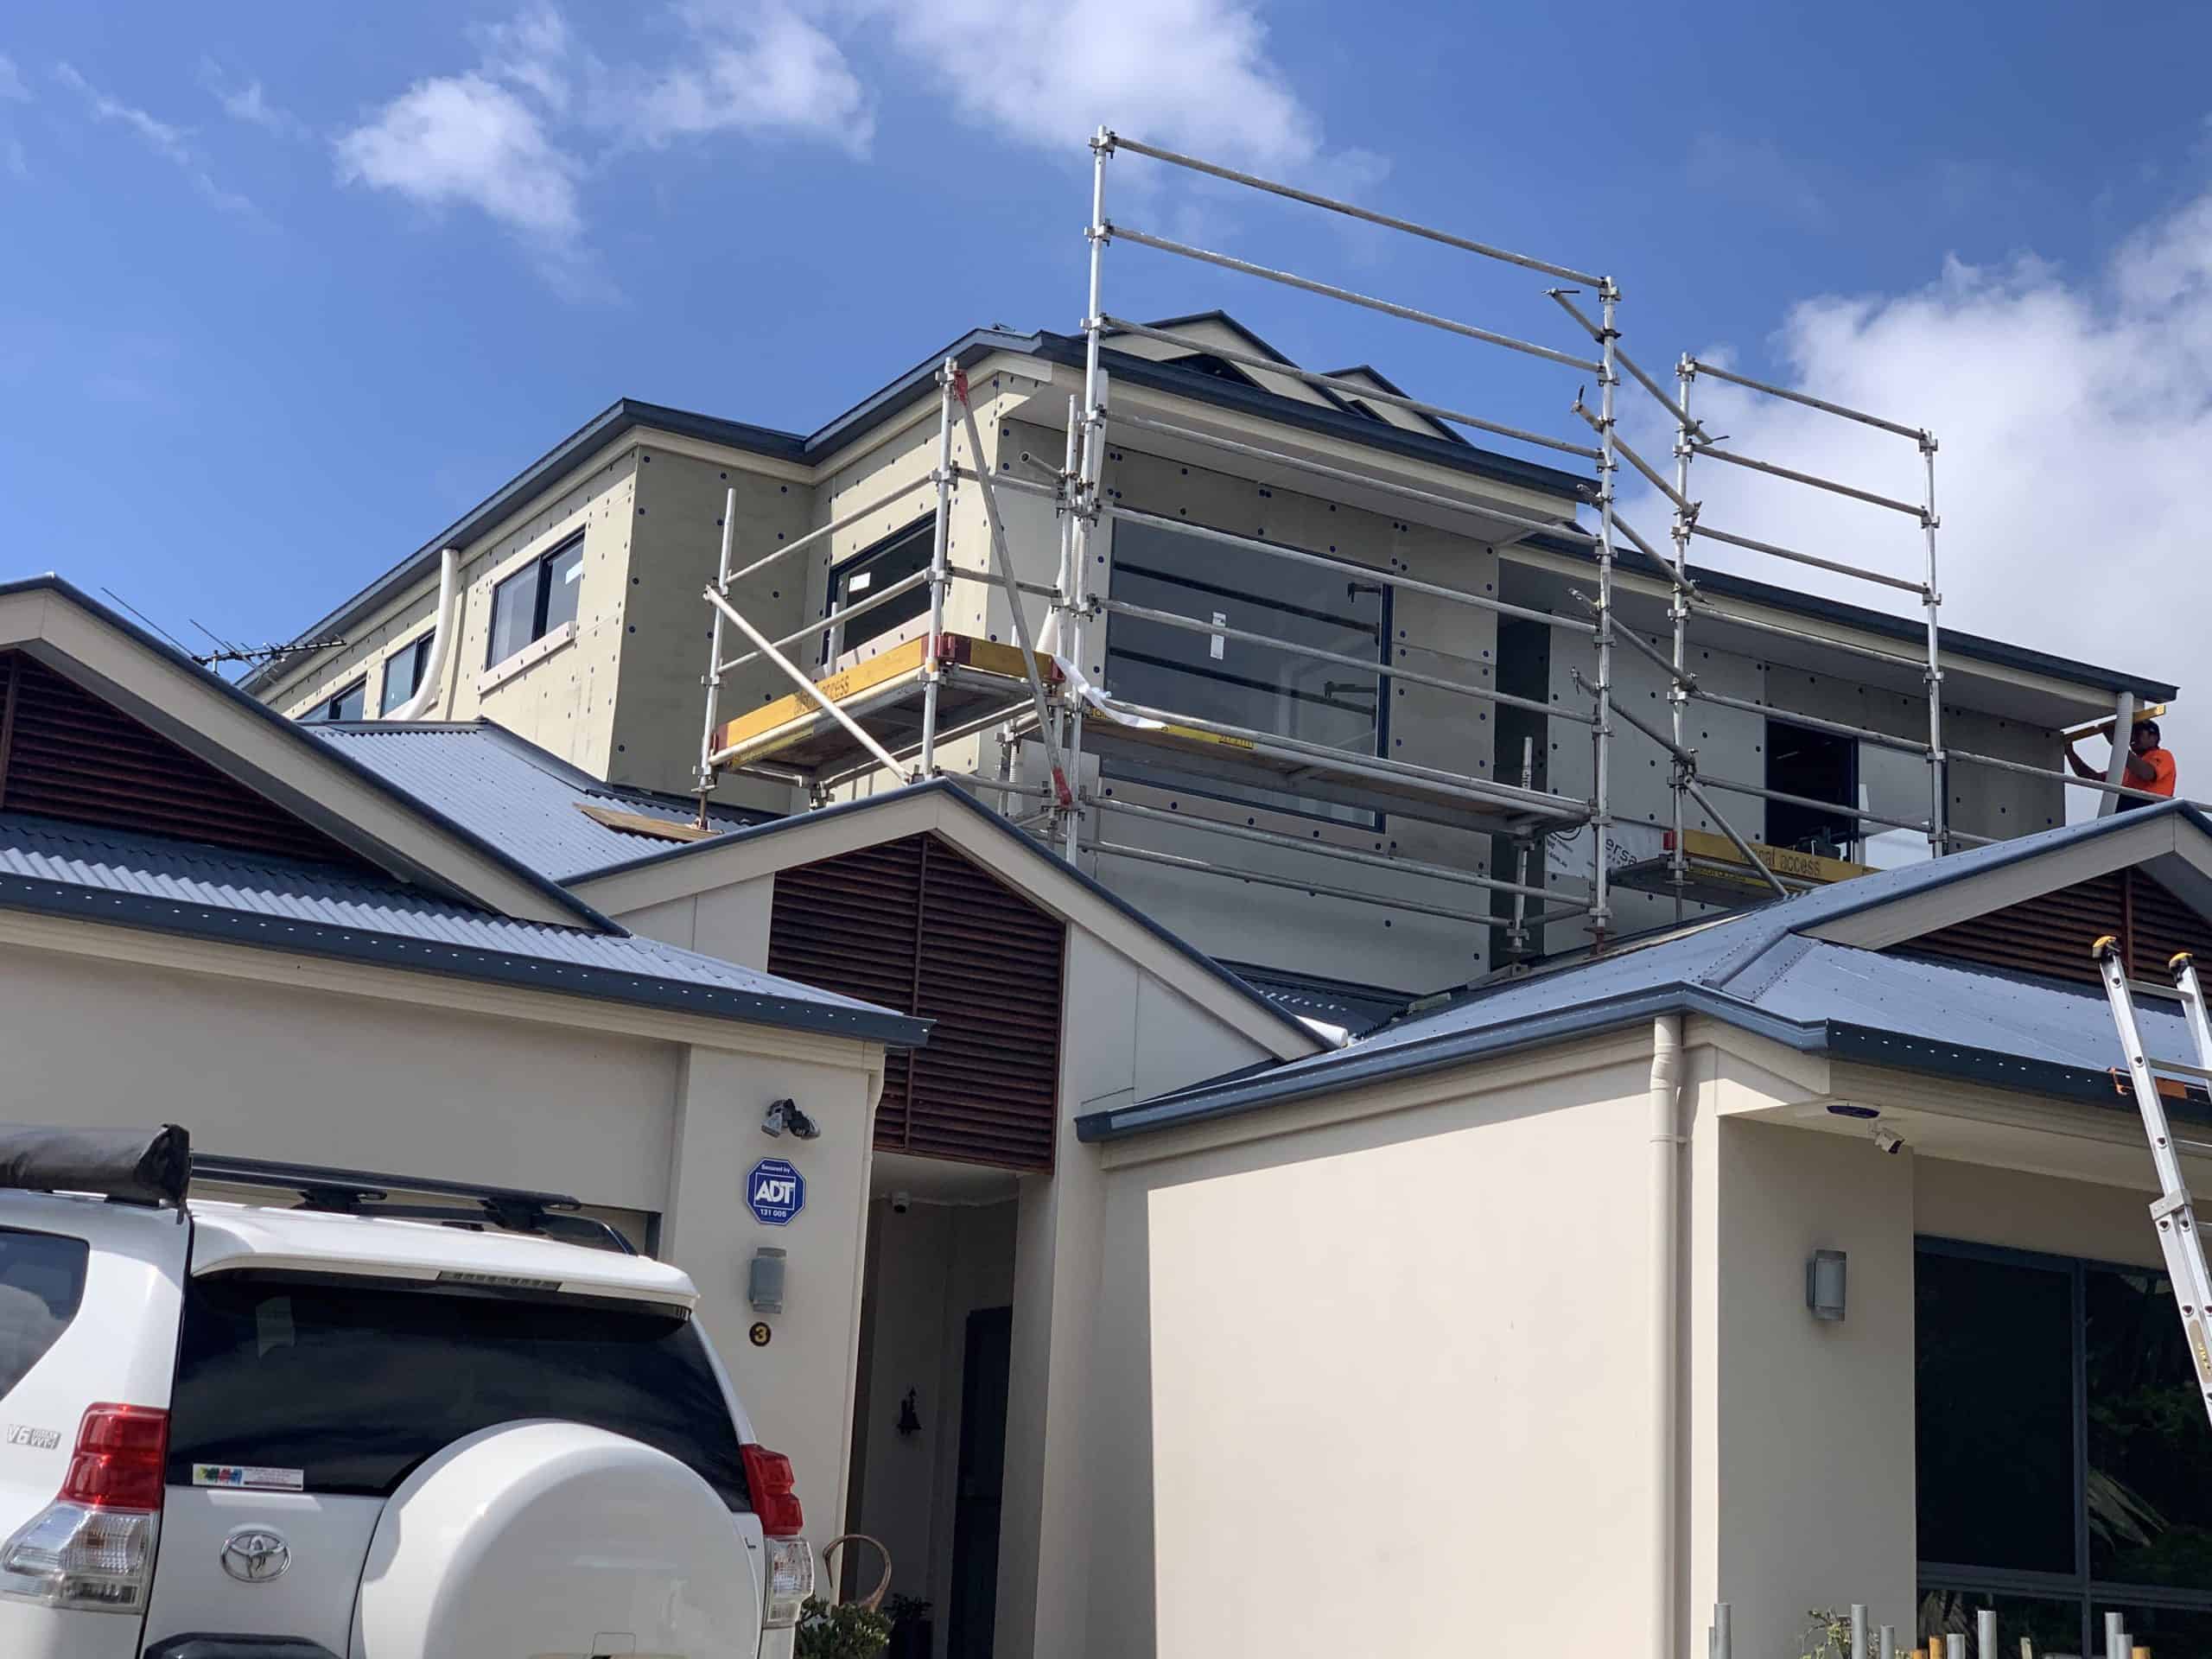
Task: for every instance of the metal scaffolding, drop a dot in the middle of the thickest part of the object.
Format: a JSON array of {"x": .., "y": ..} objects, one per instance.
[{"x": 896, "y": 711}]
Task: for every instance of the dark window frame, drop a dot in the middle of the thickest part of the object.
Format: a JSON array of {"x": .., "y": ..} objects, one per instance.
[
  {"x": 1156, "y": 776},
  {"x": 838, "y": 639},
  {"x": 2082, "y": 1587},
  {"x": 539, "y": 571},
  {"x": 416, "y": 651},
  {"x": 333, "y": 709}
]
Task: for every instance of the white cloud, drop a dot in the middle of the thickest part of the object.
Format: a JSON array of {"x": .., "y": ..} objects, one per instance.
[
  {"x": 1183, "y": 73},
  {"x": 12, "y": 89},
  {"x": 2074, "y": 414},
  {"x": 531, "y": 50},
  {"x": 170, "y": 142},
  {"x": 249, "y": 104},
  {"x": 464, "y": 139},
  {"x": 747, "y": 67}
]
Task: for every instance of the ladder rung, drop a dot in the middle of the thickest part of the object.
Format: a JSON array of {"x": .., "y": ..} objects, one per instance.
[{"x": 2182, "y": 1067}]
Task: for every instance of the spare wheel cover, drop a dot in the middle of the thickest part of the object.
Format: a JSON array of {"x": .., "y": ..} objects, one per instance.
[{"x": 533, "y": 1538}]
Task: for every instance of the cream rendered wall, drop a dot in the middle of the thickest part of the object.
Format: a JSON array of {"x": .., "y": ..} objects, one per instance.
[
  {"x": 799, "y": 1387},
  {"x": 625, "y": 1122},
  {"x": 273, "y": 1072},
  {"x": 1813, "y": 1468},
  {"x": 675, "y": 545},
  {"x": 2035, "y": 1212},
  {"x": 563, "y": 699},
  {"x": 930, "y": 1268},
  {"x": 1129, "y": 1028},
  {"x": 730, "y": 922},
  {"x": 1368, "y": 1386}
]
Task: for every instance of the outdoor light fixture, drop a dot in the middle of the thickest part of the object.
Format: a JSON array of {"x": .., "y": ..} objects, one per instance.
[
  {"x": 784, "y": 1115},
  {"x": 764, "y": 1282},
  {"x": 1824, "y": 1284}
]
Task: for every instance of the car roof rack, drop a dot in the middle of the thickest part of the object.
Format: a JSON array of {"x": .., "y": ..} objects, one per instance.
[{"x": 356, "y": 1192}]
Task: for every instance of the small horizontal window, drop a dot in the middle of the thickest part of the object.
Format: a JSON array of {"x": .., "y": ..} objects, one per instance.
[
  {"x": 352, "y": 703},
  {"x": 535, "y": 600}
]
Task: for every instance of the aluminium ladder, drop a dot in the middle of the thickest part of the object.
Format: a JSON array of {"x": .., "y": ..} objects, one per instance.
[{"x": 2173, "y": 1212}]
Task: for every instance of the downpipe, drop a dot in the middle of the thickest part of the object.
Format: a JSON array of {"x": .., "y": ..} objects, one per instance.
[
  {"x": 1667, "y": 1141},
  {"x": 434, "y": 670}
]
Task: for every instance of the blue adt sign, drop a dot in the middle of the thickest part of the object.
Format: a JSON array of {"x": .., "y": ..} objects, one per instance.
[{"x": 774, "y": 1192}]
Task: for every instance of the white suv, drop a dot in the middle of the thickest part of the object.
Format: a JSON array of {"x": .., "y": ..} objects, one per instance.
[{"x": 334, "y": 1426}]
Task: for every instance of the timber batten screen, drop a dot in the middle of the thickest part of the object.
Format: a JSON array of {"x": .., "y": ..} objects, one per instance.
[
  {"x": 68, "y": 753},
  {"x": 915, "y": 925},
  {"x": 2050, "y": 934}
]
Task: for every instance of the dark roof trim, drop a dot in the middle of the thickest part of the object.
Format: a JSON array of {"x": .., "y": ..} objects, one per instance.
[
  {"x": 467, "y": 962},
  {"x": 627, "y": 414},
  {"x": 340, "y": 828},
  {"x": 1387, "y": 383},
  {"x": 1235, "y": 1097},
  {"x": 947, "y": 788},
  {"x": 1910, "y": 630},
  {"x": 1241, "y": 1093}
]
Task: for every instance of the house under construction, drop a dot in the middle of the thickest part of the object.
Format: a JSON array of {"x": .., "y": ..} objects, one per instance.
[{"x": 1354, "y": 854}]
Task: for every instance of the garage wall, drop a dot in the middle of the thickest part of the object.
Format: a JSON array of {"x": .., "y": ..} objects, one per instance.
[
  {"x": 271, "y": 1072},
  {"x": 1810, "y": 1484},
  {"x": 1354, "y": 1395}
]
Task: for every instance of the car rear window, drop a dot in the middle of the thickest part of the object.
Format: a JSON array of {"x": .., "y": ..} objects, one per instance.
[
  {"x": 42, "y": 1283},
  {"x": 354, "y": 1383}
]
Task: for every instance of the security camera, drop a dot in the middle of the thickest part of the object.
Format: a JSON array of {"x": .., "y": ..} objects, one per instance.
[
  {"x": 1888, "y": 1141},
  {"x": 901, "y": 1203}
]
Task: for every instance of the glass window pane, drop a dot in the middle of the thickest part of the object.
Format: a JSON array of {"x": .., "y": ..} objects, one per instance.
[
  {"x": 355, "y": 1384},
  {"x": 349, "y": 704},
  {"x": 514, "y": 614},
  {"x": 1239, "y": 682},
  {"x": 402, "y": 673},
  {"x": 1994, "y": 1397},
  {"x": 42, "y": 1282},
  {"x": 2051, "y": 1625},
  {"x": 1895, "y": 785},
  {"x": 564, "y": 580},
  {"x": 870, "y": 572},
  {"x": 2149, "y": 1483}
]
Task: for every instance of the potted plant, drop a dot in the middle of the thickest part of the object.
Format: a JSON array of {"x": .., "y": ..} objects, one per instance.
[
  {"x": 844, "y": 1630},
  {"x": 910, "y": 1627}
]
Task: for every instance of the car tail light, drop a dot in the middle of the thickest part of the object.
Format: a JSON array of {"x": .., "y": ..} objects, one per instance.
[
  {"x": 768, "y": 1481},
  {"x": 790, "y": 1582},
  {"x": 92, "y": 1546}
]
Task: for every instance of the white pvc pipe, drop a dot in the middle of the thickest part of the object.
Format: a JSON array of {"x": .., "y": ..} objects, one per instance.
[
  {"x": 434, "y": 670},
  {"x": 1666, "y": 1185}
]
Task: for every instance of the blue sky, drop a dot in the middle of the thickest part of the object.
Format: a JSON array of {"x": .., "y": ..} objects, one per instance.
[{"x": 285, "y": 289}]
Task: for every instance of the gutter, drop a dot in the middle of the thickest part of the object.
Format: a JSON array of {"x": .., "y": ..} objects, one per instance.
[{"x": 1302, "y": 1079}]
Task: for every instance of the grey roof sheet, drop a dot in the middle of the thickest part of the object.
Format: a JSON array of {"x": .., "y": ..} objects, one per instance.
[
  {"x": 101, "y": 874},
  {"x": 1756, "y": 968},
  {"x": 511, "y": 791}
]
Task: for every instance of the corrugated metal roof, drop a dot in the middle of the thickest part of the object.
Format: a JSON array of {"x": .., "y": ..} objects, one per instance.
[
  {"x": 149, "y": 881},
  {"x": 1758, "y": 969},
  {"x": 512, "y": 792}
]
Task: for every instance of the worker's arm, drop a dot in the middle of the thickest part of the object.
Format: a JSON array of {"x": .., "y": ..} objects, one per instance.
[
  {"x": 2082, "y": 768},
  {"x": 2140, "y": 771}
]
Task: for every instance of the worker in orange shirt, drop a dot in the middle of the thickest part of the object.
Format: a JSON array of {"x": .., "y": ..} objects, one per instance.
[{"x": 2149, "y": 766}]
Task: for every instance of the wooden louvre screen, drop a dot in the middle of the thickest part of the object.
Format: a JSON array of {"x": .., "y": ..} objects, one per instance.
[
  {"x": 2051, "y": 933},
  {"x": 916, "y": 926},
  {"x": 67, "y": 753}
]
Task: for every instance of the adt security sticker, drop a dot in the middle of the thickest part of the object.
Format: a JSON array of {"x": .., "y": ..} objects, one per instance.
[{"x": 774, "y": 1192}]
